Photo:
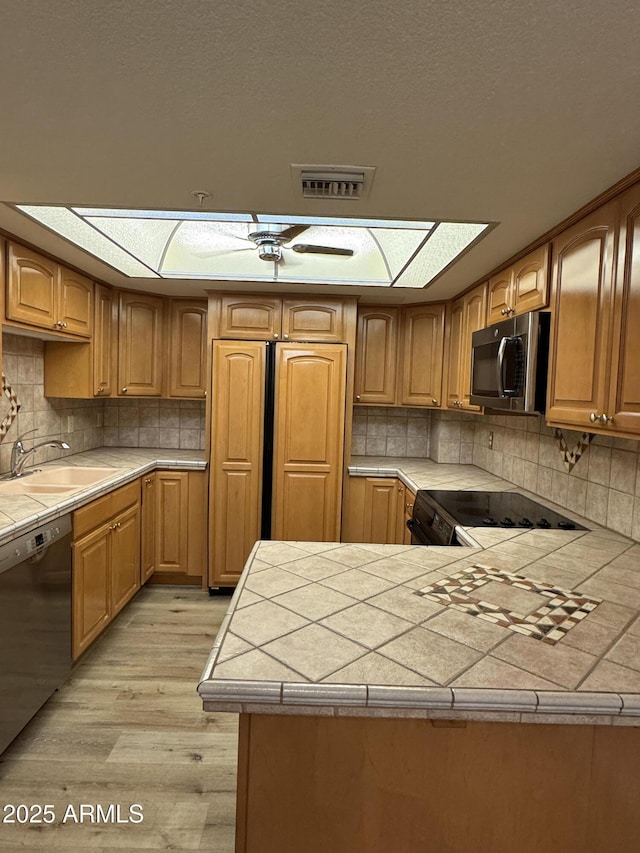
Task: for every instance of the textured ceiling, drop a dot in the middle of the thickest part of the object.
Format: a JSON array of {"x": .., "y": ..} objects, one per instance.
[{"x": 515, "y": 112}]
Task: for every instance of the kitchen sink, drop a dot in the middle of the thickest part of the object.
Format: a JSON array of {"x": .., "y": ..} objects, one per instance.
[{"x": 55, "y": 480}]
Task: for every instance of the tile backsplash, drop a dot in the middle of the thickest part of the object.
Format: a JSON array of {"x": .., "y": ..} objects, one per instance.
[
  {"x": 385, "y": 431},
  {"x": 85, "y": 424},
  {"x": 603, "y": 485}
]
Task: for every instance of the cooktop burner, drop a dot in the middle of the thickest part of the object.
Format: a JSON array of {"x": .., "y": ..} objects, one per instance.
[{"x": 499, "y": 509}]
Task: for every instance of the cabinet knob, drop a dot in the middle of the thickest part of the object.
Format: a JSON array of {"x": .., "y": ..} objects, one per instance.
[
  {"x": 286, "y": 337},
  {"x": 123, "y": 390},
  {"x": 148, "y": 481},
  {"x": 275, "y": 335},
  {"x": 593, "y": 417},
  {"x": 358, "y": 397},
  {"x": 503, "y": 312},
  {"x": 434, "y": 401},
  {"x": 604, "y": 419}
]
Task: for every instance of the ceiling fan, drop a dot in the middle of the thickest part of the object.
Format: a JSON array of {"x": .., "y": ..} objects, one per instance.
[{"x": 271, "y": 243}]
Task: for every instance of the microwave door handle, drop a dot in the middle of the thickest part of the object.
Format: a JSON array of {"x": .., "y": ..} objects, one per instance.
[{"x": 500, "y": 366}]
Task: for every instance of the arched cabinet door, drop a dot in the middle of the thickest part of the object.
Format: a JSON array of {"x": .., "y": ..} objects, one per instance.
[
  {"x": 376, "y": 354},
  {"x": 582, "y": 290}
]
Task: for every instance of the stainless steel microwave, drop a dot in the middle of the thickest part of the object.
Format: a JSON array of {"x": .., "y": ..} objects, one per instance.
[{"x": 509, "y": 362}]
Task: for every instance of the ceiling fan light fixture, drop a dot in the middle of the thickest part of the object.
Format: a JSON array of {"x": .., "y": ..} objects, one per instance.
[{"x": 270, "y": 251}]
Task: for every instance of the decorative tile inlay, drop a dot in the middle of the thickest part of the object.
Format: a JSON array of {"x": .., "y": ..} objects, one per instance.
[
  {"x": 14, "y": 407},
  {"x": 570, "y": 457},
  {"x": 549, "y": 622}
]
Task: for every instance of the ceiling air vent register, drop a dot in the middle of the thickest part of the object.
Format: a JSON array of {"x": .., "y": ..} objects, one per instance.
[{"x": 333, "y": 182}]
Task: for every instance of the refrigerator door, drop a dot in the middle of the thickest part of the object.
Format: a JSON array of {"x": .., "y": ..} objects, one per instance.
[
  {"x": 235, "y": 485},
  {"x": 310, "y": 396}
]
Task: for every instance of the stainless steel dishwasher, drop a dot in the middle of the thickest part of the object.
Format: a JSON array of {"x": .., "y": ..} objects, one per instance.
[{"x": 35, "y": 622}]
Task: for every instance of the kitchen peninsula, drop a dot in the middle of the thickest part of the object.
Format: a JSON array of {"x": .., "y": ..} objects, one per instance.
[{"x": 380, "y": 711}]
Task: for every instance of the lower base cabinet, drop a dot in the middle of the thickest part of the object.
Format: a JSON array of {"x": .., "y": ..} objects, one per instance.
[
  {"x": 105, "y": 560},
  {"x": 174, "y": 512},
  {"x": 376, "y": 510}
]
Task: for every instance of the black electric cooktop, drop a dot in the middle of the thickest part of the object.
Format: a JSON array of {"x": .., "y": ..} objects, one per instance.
[{"x": 499, "y": 509}]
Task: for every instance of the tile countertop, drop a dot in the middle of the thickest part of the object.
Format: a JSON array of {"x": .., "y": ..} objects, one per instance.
[
  {"x": 340, "y": 629},
  {"x": 20, "y": 513}
]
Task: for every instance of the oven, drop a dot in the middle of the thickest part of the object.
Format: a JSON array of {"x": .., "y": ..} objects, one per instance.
[{"x": 429, "y": 525}]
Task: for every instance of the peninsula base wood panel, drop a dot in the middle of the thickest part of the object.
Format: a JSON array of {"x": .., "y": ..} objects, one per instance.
[{"x": 376, "y": 785}]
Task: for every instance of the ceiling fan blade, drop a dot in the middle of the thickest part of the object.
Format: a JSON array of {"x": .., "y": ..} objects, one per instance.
[
  {"x": 291, "y": 233},
  {"x": 308, "y": 248},
  {"x": 221, "y": 253}
]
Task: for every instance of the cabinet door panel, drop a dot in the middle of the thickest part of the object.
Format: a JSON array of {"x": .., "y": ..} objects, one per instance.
[
  {"x": 75, "y": 306},
  {"x": 582, "y": 290},
  {"x": 91, "y": 613},
  {"x": 455, "y": 329},
  {"x": 475, "y": 317},
  {"x": 376, "y": 355},
  {"x": 624, "y": 403},
  {"x": 125, "y": 557},
  {"x": 531, "y": 281},
  {"x": 423, "y": 335},
  {"x": 31, "y": 288},
  {"x": 104, "y": 342},
  {"x": 148, "y": 528},
  {"x": 188, "y": 347},
  {"x": 309, "y": 441},
  {"x": 172, "y": 516},
  {"x": 237, "y": 406},
  {"x": 250, "y": 318},
  {"x": 380, "y": 510},
  {"x": 141, "y": 343},
  {"x": 499, "y": 295},
  {"x": 312, "y": 321}
]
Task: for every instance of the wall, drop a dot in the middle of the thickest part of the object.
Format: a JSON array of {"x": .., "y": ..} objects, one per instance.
[
  {"x": 604, "y": 484},
  {"x": 385, "y": 431},
  {"x": 85, "y": 424}
]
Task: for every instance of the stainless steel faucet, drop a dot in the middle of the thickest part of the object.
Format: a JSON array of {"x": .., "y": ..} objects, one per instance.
[{"x": 19, "y": 454}]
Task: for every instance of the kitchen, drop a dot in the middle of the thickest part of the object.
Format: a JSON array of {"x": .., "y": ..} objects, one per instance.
[{"x": 601, "y": 486}]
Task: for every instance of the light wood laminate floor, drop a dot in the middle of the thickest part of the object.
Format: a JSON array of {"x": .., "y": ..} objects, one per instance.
[{"x": 129, "y": 728}]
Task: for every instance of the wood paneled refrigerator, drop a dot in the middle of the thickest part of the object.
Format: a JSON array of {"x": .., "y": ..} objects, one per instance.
[{"x": 277, "y": 444}]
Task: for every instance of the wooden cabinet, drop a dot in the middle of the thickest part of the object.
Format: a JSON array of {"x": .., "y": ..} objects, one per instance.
[
  {"x": 594, "y": 375},
  {"x": 43, "y": 294},
  {"x": 376, "y": 510},
  {"x": 309, "y": 441},
  {"x": 399, "y": 355},
  {"x": 376, "y": 354},
  {"x": 422, "y": 352},
  {"x": 582, "y": 288},
  {"x": 85, "y": 369},
  {"x": 187, "y": 348},
  {"x": 105, "y": 560},
  {"x": 140, "y": 345},
  {"x": 321, "y": 321},
  {"x": 257, "y": 318},
  {"x": 148, "y": 518},
  {"x": 237, "y": 418},
  {"x": 174, "y": 510},
  {"x": 464, "y": 317},
  {"x": 623, "y": 406},
  {"x": 524, "y": 286}
]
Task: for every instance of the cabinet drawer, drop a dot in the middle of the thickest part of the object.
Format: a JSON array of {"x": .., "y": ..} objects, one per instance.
[{"x": 103, "y": 509}]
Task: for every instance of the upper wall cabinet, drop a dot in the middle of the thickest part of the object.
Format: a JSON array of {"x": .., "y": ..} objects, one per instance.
[
  {"x": 594, "y": 376},
  {"x": 464, "y": 317},
  {"x": 187, "y": 348},
  {"x": 399, "y": 355},
  {"x": 623, "y": 408},
  {"x": 582, "y": 289},
  {"x": 258, "y": 318},
  {"x": 524, "y": 286},
  {"x": 422, "y": 351},
  {"x": 43, "y": 294},
  {"x": 140, "y": 345},
  {"x": 376, "y": 354}
]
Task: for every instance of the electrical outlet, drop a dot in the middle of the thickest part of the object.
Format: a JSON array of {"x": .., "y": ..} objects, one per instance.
[
  {"x": 69, "y": 423},
  {"x": 490, "y": 441}
]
